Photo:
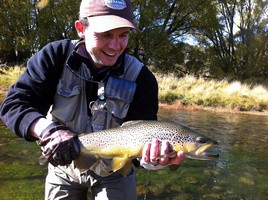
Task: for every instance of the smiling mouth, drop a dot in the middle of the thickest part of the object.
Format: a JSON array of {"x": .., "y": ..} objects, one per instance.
[{"x": 109, "y": 54}]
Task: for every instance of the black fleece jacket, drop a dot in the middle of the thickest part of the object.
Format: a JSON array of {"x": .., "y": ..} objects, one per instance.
[{"x": 32, "y": 95}]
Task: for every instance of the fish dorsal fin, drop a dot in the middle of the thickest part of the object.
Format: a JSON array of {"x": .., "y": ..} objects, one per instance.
[
  {"x": 125, "y": 170},
  {"x": 128, "y": 123},
  {"x": 119, "y": 162}
]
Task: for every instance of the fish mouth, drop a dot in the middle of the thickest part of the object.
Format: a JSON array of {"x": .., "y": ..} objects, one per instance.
[{"x": 202, "y": 154}]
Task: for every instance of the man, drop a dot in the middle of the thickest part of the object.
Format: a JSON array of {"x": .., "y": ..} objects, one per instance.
[{"x": 90, "y": 84}]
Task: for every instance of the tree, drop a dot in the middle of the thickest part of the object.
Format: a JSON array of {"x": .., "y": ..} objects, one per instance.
[
  {"x": 56, "y": 21},
  {"x": 164, "y": 26},
  {"x": 230, "y": 35},
  {"x": 233, "y": 38},
  {"x": 24, "y": 28},
  {"x": 16, "y": 30}
]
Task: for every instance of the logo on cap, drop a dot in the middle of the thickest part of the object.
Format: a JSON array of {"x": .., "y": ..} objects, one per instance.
[{"x": 116, "y": 4}]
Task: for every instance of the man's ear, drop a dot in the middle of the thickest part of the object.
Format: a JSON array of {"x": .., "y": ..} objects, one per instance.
[{"x": 80, "y": 29}]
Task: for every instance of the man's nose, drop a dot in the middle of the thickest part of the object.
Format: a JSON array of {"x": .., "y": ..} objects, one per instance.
[{"x": 114, "y": 44}]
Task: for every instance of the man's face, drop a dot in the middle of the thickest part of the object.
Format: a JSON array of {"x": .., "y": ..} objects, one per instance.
[{"x": 106, "y": 47}]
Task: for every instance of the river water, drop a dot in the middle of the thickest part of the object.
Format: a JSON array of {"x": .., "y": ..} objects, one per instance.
[{"x": 241, "y": 172}]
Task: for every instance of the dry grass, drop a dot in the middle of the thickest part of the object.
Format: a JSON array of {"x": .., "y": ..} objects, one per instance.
[
  {"x": 8, "y": 76},
  {"x": 190, "y": 90}
]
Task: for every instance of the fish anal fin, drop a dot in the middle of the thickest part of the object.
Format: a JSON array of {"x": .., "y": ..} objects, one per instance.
[
  {"x": 119, "y": 162},
  {"x": 126, "y": 168},
  {"x": 173, "y": 168}
]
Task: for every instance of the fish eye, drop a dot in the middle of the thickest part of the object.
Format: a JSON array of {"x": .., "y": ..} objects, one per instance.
[{"x": 201, "y": 140}]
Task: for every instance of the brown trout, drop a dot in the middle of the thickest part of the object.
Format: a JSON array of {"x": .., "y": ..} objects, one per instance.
[{"x": 126, "y": 142}]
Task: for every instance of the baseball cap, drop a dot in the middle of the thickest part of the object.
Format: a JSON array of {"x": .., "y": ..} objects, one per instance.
[{"x": 105, "y": 15}]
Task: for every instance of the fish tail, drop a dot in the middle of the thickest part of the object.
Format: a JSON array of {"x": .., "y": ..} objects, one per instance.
[{"x": 84, "y": 161}]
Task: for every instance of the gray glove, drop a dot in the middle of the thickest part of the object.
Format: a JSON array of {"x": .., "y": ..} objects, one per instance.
[{"x": 59, "y": 145}]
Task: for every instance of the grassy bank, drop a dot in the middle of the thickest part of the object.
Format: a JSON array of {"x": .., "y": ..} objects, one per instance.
[
  {"x": 188, "y": 92},
  {"x": 195, "y": 93},
  {"x": 8, "y": 76}
]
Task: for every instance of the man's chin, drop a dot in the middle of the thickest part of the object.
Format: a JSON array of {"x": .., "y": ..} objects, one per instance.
[
  {"x": 109, "y": 63},
  {"x": 104, "y": 64}
]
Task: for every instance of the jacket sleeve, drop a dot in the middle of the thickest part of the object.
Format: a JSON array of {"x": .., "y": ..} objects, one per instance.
[
  {"x": 145, "y": 103},
  {"x": 32, "y": 95}
]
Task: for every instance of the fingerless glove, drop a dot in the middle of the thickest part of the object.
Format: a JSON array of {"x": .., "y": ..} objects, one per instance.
[{"x": 58, "y": 144}]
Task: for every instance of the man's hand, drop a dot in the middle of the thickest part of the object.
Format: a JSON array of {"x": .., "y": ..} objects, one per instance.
[
  {"x": 59, "y": 145},
  {"x": 155, "y": 156}
]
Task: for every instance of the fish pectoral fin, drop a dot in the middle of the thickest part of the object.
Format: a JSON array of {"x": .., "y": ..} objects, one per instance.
[
  {"x": 119, "y": 162},
  {"x": 125, "y": 170},
  {"x": 172, "y": 154},
  {"x": 173, "y": 168}
]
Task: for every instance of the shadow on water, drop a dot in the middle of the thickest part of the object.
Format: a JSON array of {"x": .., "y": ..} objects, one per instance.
[{"x": 241, "y": 172}]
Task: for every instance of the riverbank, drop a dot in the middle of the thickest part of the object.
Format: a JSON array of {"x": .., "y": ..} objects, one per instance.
[
  {"x": 8, "y": 76},
  {"x": 198, "y": 108},
  {"x": 191, "y": 93}
]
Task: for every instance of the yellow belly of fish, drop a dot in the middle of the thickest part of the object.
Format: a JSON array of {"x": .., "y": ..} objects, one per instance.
[
  {"x": 115, "y": 151},
  {"x": 121, "y": 156}
]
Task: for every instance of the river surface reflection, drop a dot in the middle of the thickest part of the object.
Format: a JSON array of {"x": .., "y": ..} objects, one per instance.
[{"x": 241, "y": 172}]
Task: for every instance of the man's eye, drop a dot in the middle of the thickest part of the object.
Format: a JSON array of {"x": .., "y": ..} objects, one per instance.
[
  {"x": 125, "y": 35},
  {"x": 105, "y": 35}
]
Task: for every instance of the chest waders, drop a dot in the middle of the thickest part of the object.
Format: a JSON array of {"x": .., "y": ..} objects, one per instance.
[{"x": 109, "y": 110}]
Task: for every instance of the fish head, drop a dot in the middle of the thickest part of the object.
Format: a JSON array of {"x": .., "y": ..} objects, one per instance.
[
  {"x": 197, "y": 147},
  {"x": 191, "y": 142},
  {"x": 194, "y": 144}
]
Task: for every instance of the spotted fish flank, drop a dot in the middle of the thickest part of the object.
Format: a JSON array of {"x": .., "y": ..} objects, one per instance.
[{"x": 125, "y": 143}]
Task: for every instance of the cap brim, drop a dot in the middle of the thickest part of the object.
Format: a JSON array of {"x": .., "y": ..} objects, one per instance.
[{"x": 105, "y": 23}]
